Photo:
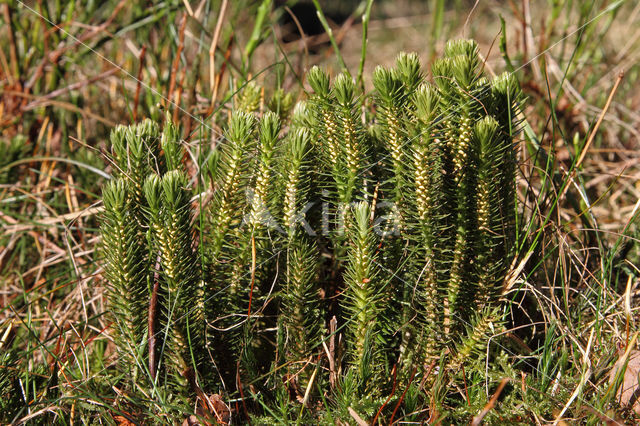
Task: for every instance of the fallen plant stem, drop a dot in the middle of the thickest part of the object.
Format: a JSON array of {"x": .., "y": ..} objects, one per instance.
[
  {"x": 136, "y": 98},
  {"x": 477, "y": 420}
]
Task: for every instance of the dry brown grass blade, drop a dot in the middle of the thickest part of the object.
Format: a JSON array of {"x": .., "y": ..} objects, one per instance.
[
  {"x": 46, "y": 222},
  {"x": 153, "y": 319},
  {"x": 178, "y": 96},
  {"x": 54, "y": 56},
  {"x": 176, "y": 60},
  {"x": 65, "y": 105},
  {"x": 302, "y": 41},
  {"x": 136, "y": 98},
  {"x": 585, "y": 149},
  {"x": 393, "y": 391},
  {"x": 357, "y": 417},
  {"x": 212, "y": 53},
  {"x": 599, "y": 122},
  {"x": 75, "y": 86},
  {"x": 404, "y": 393},
  {"x": 477, "y": 420},
  {"x": 12, "y": 43},
  {"x": 629, "y": 392}
]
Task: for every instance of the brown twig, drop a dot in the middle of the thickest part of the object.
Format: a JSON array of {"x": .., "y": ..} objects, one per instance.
[
  {"x": 333, "y": 374},
  {"x": 176, "y": 59},
  {"x": 223, "y": 67},
  {"x": 604, "y": 112},
  {"x": 190, "y": 375},
  {"x": 53, "y": 221},
  {"x": 136, "y": 98},
  {"x": 239, "y": 384},
  {"x": 303, "y": 38},
  {"x": 492, "y": 403},
  {"x": 393, "y": 391},
  {"x": 213, "y": 82},
  {"x": 179, "y": 94},
  {"x": 152, "y": 320},
  {"x": 54, "y": 94},
  {"x": 466, "y": 387},
  {"x": 355, "y": 416},
  {"x": 61, "y": 104},
  {"x": 395, "y": 410},
  {"x": 592, "y": 136},
  {"x": 218, "y": 81},
  {"x": 71, "y": 107}
]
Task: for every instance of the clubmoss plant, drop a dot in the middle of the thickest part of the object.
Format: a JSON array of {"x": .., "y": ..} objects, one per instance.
[
  {"x": 363, "y": 300},
  {"x": 127, "y": 271},
  {"x": 360, "y": 242},
  {"x": 181, "y": 287}
]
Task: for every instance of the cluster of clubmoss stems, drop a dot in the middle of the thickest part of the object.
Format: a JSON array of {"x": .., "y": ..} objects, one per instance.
[{"x": 407, "y": 283}]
